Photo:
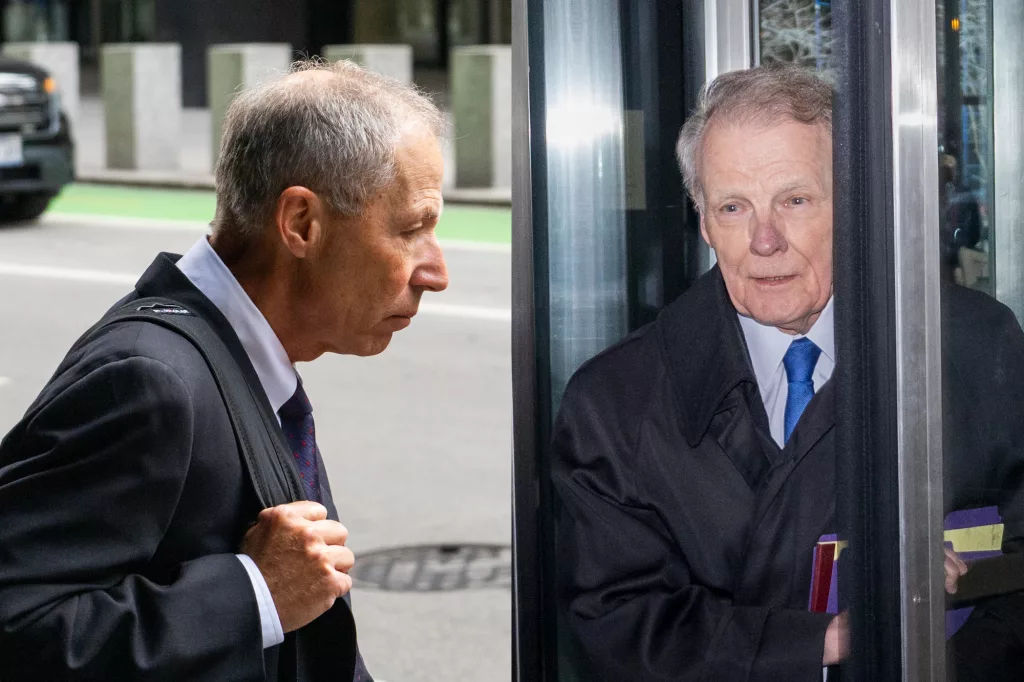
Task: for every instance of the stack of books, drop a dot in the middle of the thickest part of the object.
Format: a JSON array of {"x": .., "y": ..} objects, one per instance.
[{"x": 974, "y": 534}]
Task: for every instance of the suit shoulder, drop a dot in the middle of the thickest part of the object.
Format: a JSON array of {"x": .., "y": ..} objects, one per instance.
[
  {"x": 129, "y": 340},
  {"x": 983, "y": 340},
  {"x": 633, "y": 365},
  {"x": 621, "y": 373},
  {"x": 964, "y": 309}
]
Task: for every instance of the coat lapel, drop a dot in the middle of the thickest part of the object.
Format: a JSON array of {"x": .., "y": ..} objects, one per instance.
[
  {"x": 718, "y": 398},
  {"x": 711, "y": 374}
]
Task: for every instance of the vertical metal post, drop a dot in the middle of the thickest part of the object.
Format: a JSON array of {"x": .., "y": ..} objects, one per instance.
[
  {"x": 918, "y": 335},
  {"x": 531, "y": 629}
]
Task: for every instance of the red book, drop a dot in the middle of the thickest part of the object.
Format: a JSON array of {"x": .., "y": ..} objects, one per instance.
[{"x": 821, "y": 576}]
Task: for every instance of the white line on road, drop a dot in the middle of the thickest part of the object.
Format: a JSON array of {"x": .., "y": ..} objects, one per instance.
[
  {"x": 471, "y": 312},
  {"x": 68, "y": 274},
  {"x": 118, "y": 222},
  {"x": 4, "y": 381},
  {"x": 198, "y": 228}
]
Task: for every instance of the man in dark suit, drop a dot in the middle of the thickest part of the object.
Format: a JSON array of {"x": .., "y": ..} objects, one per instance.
[
  {"x": 694, "y": 462},
  {"x": 132, "y": 542}
]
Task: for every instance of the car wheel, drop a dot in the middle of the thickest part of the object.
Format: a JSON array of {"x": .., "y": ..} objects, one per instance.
[{"x": 23, "y": 206}]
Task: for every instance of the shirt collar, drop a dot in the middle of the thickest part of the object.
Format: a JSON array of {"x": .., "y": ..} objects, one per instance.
[
  {"x": 767, "y": 345},
  {"x": 211, "y": 276}
]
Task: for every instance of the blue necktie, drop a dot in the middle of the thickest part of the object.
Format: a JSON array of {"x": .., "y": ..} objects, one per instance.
[
  {"x": 297, "y": 424},
  {"x": 799, "y": 361}
]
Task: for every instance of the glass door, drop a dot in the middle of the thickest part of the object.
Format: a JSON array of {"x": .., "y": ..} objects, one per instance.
[
  {"x": 980, "y": 88},
  {"x": 928, "y": 286},
  {"x": 603, "y": 238}
]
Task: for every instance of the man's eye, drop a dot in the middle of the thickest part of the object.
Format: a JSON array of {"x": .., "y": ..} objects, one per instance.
[
  {"x": 797, "y": 201},
  {"x": 730, "y": 208}
]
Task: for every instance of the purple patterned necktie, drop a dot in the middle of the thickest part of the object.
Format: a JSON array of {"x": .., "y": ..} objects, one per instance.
[{"x": 297, "y": 424}]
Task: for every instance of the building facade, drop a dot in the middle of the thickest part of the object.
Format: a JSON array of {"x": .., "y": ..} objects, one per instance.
[{"x": 432, "y": 27}]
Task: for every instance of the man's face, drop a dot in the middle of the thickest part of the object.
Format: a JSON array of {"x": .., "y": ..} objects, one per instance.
[
  {"x": 376, "y": 266},
  {"x": 768, "y": 214}
]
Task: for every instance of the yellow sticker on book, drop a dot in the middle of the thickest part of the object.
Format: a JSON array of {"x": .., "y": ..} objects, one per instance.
[{"x": 976, "y": 539}]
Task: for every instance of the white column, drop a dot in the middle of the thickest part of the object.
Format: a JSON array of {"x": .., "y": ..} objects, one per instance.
[
  {"x": 390, "y": 60},
  {"x": 141, "y": 84},
  {"x": 233, "y": 68},
  {"x": 481, "y": 94},
  {"x": 61, "y": 61}
]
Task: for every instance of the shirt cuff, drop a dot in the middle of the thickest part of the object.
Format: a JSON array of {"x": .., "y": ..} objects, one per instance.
[{"x": 269, "y": 620}]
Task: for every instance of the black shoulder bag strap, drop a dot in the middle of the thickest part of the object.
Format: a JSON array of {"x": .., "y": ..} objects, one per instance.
[
  {"x": 271, "y": 470},
  {"x": 328, "y": 644}
]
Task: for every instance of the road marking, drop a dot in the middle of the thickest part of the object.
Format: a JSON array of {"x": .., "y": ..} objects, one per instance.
[
  {"x": 68, "y": 274},
  {"x": 124, "y": 279},
  {"x": 5, "y": 381},
  {"x": 121, "y": 222},
  {"x": 198, "y": 228}
]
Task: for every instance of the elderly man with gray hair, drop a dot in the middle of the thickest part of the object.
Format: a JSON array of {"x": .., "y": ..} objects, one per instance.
[
  {"x": 135, "y": 541},
  {"x": 694, "y": 462}
]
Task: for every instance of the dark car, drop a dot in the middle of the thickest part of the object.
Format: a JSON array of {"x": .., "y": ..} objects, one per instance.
[{"x": 36, "y": 149}]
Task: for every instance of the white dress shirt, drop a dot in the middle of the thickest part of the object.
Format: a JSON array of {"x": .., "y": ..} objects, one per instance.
[
  {"x": 207, "y": 272},
  {"x": 767, "y": 346}
]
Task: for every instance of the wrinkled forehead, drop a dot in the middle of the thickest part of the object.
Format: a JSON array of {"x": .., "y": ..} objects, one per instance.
[
  {"x": 737, "y": 157},
  {"x": 729, "y": 142}
]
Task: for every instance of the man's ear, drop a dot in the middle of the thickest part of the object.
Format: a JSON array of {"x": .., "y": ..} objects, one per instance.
[
  {"x": 704, "y": 228},
  {"x": 299, "y": 220}
]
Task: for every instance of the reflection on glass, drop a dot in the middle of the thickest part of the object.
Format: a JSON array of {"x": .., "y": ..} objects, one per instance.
[
  {"x": 796, "y": 32},
  {"x": 965, "y": 155},
  {"x": 31, "y": 20},
  {"x": 983, "y": 349},
  {"x": 586, "y": 183}
]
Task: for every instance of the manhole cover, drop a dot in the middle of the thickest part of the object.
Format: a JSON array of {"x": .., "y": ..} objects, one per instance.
[{"x": 435, "y": 568}]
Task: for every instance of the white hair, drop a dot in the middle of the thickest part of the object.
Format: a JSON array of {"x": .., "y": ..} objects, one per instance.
[{"x": 765, "y": 94}]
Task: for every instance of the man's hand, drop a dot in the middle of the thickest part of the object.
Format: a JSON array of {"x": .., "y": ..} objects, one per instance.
[
  {"x": 837, "y": 640},
  {"x": 955, "y": 567},
  {"x": 303, "y": 558},
  {"x": 837, "y": 637}
]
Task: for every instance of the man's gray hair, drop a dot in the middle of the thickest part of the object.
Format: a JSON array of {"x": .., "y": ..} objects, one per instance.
[
  {"x": 335, "y": 135},
  {"x": 766, "y": 94}
]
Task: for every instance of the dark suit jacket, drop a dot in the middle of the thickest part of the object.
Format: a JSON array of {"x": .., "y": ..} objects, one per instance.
[
  {"x": 123, "y": 499},
  {"x": 685, "y": 535}
]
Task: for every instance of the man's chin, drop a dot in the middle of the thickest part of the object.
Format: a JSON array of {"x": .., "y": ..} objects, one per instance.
[
  {"x": 795, "y": 322},
  {"x": 376, "y": 345}
]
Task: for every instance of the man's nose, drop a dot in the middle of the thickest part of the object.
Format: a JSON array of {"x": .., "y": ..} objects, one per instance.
[
  {"x": 767, "y": 239},
  {"x": 431, "y": 272}
]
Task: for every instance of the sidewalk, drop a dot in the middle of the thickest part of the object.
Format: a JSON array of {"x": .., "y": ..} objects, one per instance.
[{"x": 196, "y": 163}]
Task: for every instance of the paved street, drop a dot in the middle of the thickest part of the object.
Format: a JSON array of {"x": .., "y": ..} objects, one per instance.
[{"x": 417, "y": 440}]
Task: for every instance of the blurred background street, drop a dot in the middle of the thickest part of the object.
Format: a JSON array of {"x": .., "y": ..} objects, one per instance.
[{"x": 416, "y": 440}]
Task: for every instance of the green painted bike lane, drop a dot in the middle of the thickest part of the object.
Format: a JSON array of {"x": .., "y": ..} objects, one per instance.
[{"x": 461, "y": 222}]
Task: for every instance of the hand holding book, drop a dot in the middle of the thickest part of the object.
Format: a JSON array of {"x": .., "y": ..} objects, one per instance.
[{"x": 971, "y": 535}]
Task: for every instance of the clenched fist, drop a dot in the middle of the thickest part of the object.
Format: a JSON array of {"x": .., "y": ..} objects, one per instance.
[{"x": 303, "y": 559}]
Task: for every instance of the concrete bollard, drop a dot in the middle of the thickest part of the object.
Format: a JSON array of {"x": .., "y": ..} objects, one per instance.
[
  {"x": 481, "y": 93},
  {"x": 61, "y": 61},
  {"x": 390, "y": 60},
  {"x": 141, "y": 84},
  {"x": 233, "y": 68}
]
